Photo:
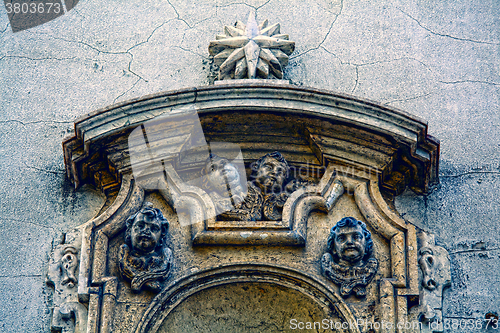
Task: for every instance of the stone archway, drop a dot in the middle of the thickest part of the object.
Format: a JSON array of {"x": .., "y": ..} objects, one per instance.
[{"x": 237, "y": 288}]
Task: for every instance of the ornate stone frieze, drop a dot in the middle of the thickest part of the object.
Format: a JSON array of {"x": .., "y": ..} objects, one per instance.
[
  {"x": 145, "y": 259},
  {"x": 291, "y": 208},
  {"x": 68, "y": 314},
  {"x": 251, "y": 51},
  {"x": 348, "y": 260}
]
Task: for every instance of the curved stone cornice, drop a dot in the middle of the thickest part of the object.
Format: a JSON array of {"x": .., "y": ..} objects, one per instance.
[{"x": 325, "y": 125}]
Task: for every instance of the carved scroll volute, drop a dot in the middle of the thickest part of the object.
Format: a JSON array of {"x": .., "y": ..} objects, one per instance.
[
  {"x": 68, "y": 314},
  {"x": 434, "y": 264}
]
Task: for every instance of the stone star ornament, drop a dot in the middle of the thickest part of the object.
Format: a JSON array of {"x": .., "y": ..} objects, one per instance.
[{"x": 251, "y": 51}]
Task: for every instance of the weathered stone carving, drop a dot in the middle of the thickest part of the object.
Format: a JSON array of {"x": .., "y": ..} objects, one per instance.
[
  {"x": 232, "y": 202},
  {"x": 145, "y": 260},
  {"x": 68, "y": 314},
  {"x": 303, "y": 124},
  {"x": 269, "y": 174},
  {"x": 434, "y": 264},
  {"x": 265, "y": 194},
  {"x": 251, "y": 50},
  {"x": 348, "y": 260}
]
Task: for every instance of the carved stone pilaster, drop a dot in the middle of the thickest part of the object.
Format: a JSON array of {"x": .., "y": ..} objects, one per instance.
[
  {"x": 68, "y": 314},
  {"x": 434, "y": 264}
]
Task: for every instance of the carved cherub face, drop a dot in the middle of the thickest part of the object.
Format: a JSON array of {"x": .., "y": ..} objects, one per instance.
[
  {"x": 350, "y": 244},
  {"x": 220, "y": 172},
  {"x": 145, "y": 233},
  {"x": 271, "y": 175}
]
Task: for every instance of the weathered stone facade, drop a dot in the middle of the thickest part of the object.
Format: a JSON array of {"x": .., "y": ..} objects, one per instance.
[
  {"x": 436, "y": 61},
  {"x": 332, "y": 158}
]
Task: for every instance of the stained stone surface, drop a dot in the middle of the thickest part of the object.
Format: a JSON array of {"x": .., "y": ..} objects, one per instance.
[
  {"x": 438, "y": 60},
  {"x": 246, "y": 307}
]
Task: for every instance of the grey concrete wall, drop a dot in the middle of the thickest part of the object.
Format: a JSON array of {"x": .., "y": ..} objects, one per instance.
[{"x": 438, "y": 60}]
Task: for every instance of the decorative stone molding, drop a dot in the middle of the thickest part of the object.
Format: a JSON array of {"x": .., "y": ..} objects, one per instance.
[
  {"x": 179, "y": 290},
  {"x": 434, "y": 264},
  {"x": 353, "y": 156},
  {"x": 68, "y": 315},
  {"x": 290, "y": 230},
  {"x": 315, "y": 126}
]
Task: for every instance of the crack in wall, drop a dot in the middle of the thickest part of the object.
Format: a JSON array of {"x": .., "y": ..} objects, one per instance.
[
  {"x": 428, "y": 67},
  {"x": 191, "y": 51},
  {"x": 446, "y": 35},
  {"x": 34, "y": 122},
  {"x": 55, "y": 172},
  {"x": 140, "y": 78},
  {"x": 28, "y": 222},
  {"x": 78, "y": 12},
  {"x": 6, "y": 27},
  {"x": 470, "y": 81},
  {"x": 127, "y": 52},
  {"x": 391, "y": 60},
  {"x": 22, "y": 276},
  {"x": 183, "y": 20},
  {"x": 99, "y": 51},
  {"x": 149, "y": 37},
  {"x": 407, "y": 99},
  {"x": 320, "y": 45},
  {"x": 126, "y": 91},
  {"x": 255, "y": 8},
  {"x": 475, "y": 250},
  {"x": 178, "y": 15},
  {"x": 470, "y": 173},
  {"x": 358, "y": 65},
  {"x": 35, "y": 59}
]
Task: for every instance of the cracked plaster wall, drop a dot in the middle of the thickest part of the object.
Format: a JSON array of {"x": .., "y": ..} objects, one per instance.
[{"x": 438, "y": 60}]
